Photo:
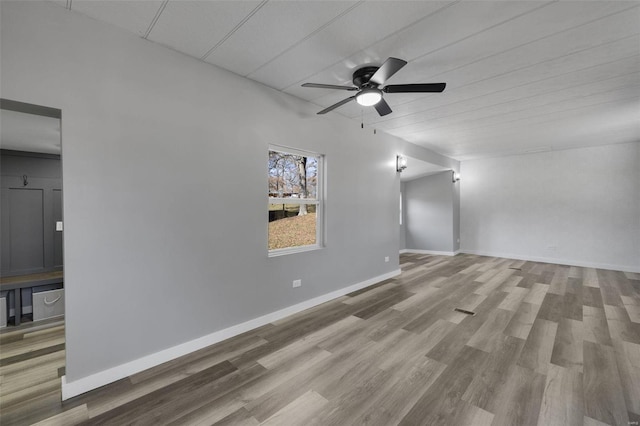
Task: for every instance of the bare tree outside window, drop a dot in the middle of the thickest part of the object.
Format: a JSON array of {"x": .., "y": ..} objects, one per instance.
[{"x": 293, "y": 199}]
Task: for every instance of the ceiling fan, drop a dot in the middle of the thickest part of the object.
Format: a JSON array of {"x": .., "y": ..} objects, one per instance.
[{"x": 369, "y": 81}]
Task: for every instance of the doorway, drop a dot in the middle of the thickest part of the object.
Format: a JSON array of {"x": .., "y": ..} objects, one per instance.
[
  {"x": 428, "y": 208},
  {"x": 31, "y": 224},
  {"x": 32, "y": 360}
]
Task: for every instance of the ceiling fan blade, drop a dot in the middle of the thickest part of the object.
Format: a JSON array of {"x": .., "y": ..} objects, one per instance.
[
  {"x": 334, "y": 106},
  {"x": 415, "y": 88},
  {"x": 386, "y": 70},
  {"x": 329, "y": 86},
  {"x": 382, "y": 107}
]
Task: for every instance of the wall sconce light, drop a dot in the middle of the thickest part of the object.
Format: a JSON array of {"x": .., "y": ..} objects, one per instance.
[
  {"x": 401, "y": 163},
  {"x": 455, "y": 177}
]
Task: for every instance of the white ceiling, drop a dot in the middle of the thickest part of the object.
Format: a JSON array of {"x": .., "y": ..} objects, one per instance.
[
  {"x": 20, "y": 131},
  {"x": 521, "y": 75}
]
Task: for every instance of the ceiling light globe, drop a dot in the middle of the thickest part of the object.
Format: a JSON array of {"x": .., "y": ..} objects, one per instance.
[{"x": 368, "y": 97}]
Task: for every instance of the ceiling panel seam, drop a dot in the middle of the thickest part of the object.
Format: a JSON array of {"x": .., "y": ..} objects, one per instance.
[
  {"x": 501, "y": 123},
  {"x": 534, "y": 41},
  {"x": 307, "y": 37},
  {"x": 476, "y": 140},
  {"x": 155, "y": 18},
  {"x": 589, "y": 83},
  {"x": 498, "y": 154},
  {"x": 553, "y": 114},
  {"x": 435, "y": 12},
  {"x": 236, "y": 28},
  {"x": 497, "y": 24},
  {"x": 525, "y": 67},
  {"x": 465, "y": 121},
  {"x": 505, "y": 89},
  {"x": 549, "y": 60}
]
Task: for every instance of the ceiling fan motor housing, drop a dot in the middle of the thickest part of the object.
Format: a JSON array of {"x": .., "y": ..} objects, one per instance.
[{"x": 362, "y": 76}]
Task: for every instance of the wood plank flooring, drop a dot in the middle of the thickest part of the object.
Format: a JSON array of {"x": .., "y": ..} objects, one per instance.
[{"x": 548, "y": 345}]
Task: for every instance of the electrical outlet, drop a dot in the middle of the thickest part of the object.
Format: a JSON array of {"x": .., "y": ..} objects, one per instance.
[
  {"x": 386, "y": 258},
  {"x": 297, "y": 283}
]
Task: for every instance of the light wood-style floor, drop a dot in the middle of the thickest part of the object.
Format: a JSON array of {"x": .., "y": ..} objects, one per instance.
[{"x": 548, "y": 345}]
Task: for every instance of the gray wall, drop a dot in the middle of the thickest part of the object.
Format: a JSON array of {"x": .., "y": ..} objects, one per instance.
[
  {"x": 431, "y": 213},
  {"x": 403, "y": 226},
  {"x": 578, "y": 206},
  {"x": 165, "y": 238},
  {"x": 456, "y": 215}
]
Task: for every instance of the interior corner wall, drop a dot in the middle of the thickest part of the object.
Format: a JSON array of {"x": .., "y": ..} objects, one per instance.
[
  {"x": 578, "y": 207},
  {"x": 430, "y": 213},
  {"x": 164, "y": 165},
  {"x": 456, "y": 215}
]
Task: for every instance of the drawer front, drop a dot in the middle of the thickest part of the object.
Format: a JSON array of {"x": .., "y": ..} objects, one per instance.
[{"x": 48, "y": 304}]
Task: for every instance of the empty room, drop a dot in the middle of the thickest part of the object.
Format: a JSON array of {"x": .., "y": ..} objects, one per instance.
[{"x": 269, "y": 212}]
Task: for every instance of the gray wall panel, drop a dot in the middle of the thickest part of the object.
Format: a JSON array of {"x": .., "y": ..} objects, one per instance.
[
  {"x": 403, "y": 226},
  {"x": 29, "y": 241},
  {"x": 26, "y": 236}
]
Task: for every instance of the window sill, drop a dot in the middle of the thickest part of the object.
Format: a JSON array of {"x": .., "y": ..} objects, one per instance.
[{"x": 293, "y": 250}]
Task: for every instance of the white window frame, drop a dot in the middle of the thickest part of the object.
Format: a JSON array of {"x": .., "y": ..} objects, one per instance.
[{"x": 318, "y": 201}]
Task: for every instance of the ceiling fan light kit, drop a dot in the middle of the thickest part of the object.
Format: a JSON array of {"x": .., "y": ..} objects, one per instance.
[
  {"x": 368, "y": 82},
  {"x": 369, "y": 96}
]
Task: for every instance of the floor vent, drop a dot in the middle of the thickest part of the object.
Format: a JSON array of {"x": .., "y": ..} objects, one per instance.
[
  {"x": 517, "y": 269},
  {"x": 464, "y": 311}
]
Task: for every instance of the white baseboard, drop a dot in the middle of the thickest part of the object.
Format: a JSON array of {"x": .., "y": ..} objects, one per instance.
[
  {"x": 94, "y": 381},
  {"x": 569, "y": 262},
  {"x": 437, "y": 253}
]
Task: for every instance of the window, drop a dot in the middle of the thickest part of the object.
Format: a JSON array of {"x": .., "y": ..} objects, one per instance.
[{"x": 295, "y": 201}]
